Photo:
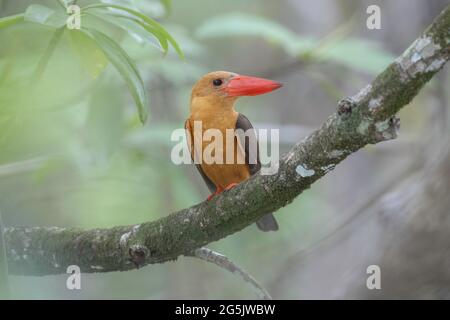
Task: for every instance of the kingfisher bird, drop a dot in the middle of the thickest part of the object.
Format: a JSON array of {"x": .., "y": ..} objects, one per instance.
[{"x": 212, "y": 104}]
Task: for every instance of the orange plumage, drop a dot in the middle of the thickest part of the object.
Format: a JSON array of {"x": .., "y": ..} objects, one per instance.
[{"x": 212, "y": 106}]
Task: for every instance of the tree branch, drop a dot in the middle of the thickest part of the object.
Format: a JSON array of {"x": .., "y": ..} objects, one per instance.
[
  {"x": 365, "y": 118},
  {"x": 223, "y": 262},
  {"x": 4, "y": 277}
]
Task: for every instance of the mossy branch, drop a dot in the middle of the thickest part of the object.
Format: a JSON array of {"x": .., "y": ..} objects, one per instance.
[{"x": 365, "y": 118}]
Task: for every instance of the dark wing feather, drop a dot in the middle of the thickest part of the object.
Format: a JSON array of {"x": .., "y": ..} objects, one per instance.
[
  {"x": 267, "y": 222},
  {"x": 189, "y": 137},
  {"x": 243, "y": 123}
]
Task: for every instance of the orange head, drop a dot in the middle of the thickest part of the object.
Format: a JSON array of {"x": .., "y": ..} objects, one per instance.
[{"x": 225, "y": 87}]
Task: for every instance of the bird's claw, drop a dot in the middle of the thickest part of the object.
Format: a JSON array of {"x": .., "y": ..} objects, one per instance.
[
  {"x": 218, "y": 191},
  {"x": 231, "y": 186}
]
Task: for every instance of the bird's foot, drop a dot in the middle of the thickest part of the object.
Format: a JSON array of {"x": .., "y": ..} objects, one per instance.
[
  {"x": 218, "y": 191},
  {"x": 231, "y": 186}
]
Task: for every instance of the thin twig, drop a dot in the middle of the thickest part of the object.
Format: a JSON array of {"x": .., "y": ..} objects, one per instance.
[{"x": 225, "y": 263}]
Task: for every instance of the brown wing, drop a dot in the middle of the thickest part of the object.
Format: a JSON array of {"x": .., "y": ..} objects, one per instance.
[
  {"x": 243, "y": 123},
  {"x": 267, "y": 222},
  {"x": 190, "y": 143}
]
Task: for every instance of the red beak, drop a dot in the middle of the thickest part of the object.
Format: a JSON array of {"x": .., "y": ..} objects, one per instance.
[{"x": 249, "y": 86}]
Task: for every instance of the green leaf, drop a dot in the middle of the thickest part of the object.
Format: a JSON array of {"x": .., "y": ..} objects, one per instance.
[
  {"x": 358, "y": 54},
  {"x": 91, "y": 56},
  {"x": 43, "y": 61},
  {"x": 126, "y": 67},
  {"x": 135, "y": 27},
  {"x": 163, "y": 40},
  {"x": 67, "y": 3},
  {"x": 150, "y": 24},
  {"x": 238, "y": 24},
  {"x": 7, "y": 21},
  {"x": 355, "y": 53},
  {"x": 44, "y": 15}
]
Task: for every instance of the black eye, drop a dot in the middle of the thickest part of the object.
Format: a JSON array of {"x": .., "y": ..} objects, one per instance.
[{"x": 217, "y": 82}]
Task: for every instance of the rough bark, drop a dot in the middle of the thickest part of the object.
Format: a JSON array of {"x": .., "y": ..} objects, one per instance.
[
  {"x": 365, "y": 118},
  {"x": 414, "y": 220}
]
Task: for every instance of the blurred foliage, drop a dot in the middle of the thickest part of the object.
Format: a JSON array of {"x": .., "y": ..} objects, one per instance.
[
  {"x": 117, "y": 14},
  {"x": 74, "y": 151},
  {"x": 354, "y": 53}
]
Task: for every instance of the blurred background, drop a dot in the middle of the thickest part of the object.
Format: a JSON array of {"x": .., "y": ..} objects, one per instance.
[{"x": 73, "y": 152}]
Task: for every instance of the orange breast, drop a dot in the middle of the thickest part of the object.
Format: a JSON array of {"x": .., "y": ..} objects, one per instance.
[
  {"x": 223, "y": 175},
  {"x": 230, "y": 155}
]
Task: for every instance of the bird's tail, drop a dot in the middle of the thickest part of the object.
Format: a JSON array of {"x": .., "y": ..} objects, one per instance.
[{"x": 267, "y": 223}]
